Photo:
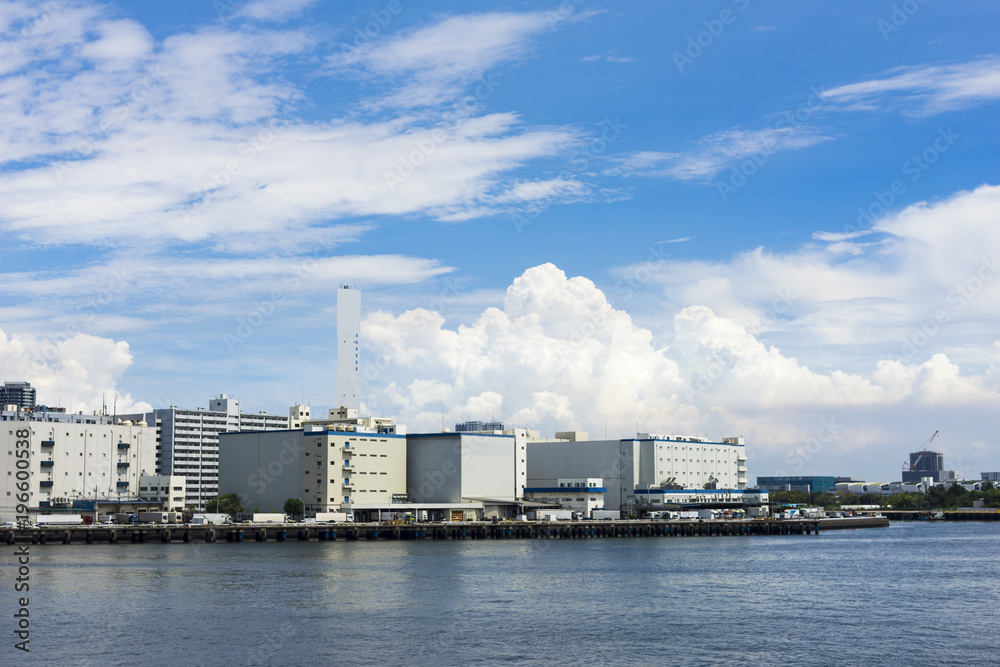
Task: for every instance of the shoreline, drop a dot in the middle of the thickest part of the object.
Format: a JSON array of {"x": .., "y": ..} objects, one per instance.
[{"x": 368, "y": 532}]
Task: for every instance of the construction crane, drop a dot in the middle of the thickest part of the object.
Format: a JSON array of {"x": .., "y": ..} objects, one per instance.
[{"x": 923, "y": 448}]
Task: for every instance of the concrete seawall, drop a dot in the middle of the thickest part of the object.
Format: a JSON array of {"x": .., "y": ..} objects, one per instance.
[{"x": 367, "y": 532}]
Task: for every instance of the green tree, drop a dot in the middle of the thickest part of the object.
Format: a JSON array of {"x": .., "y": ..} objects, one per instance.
[
  {"x": 227, "y": 504},
  {"x": 793, "y": 497},
  {"x": 294, "y": 507}
]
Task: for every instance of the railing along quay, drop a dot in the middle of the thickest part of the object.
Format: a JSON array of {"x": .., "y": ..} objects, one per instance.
[{"x": 187, "y": 534}]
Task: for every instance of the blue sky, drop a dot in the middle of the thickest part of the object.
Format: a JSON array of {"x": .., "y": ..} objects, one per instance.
[{"x": 716, "y": 217}]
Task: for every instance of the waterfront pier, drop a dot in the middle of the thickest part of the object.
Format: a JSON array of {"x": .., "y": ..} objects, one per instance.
[{"x": 367, "y": 532}]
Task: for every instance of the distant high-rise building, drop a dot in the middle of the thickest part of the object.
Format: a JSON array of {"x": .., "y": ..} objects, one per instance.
[
  {"x": 924, "y": 464},
  {"x": 348, "y": 343},
  {"x": 20, "y": 394},
  {"x": 474, "y": 426}
]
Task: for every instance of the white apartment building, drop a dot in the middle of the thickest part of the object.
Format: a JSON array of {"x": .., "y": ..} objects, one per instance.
[
  {"x": 188, "y": 443},
  {"x": 70, "y": 465}
]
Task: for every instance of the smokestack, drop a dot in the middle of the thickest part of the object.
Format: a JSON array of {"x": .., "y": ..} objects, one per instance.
[{"x": 348, "y": 347}]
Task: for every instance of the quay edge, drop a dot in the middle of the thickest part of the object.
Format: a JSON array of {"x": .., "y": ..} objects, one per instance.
[{"x": 188, "y": 534}]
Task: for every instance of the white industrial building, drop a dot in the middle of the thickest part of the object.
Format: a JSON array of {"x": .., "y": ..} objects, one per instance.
[
  {"x": 71, "y": 465},
  {"x": 583, "y": 495},
  {"x": 637, "y": 470},
  {"x": 188, "y": 442},
  {"x": 329, "y": 470},
  {"x": 168, "y": 491}
]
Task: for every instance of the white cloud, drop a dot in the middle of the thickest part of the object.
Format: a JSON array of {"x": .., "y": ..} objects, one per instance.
[
  {"x": 77, "y": 372},
  {"x": 559, "y": 356},
  {"x": 274, "y": 10},
  {"x": 439, "y": 60},
  {"x": 161, "y": 148},
  {"x": 926, "y": 89},
  {"x": 714, "y": 153}
]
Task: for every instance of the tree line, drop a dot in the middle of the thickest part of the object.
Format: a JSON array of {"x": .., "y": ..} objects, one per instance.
[{"x": 936, "y": 498}]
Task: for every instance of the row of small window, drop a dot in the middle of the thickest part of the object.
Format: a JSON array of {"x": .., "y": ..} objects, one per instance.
[{"x": 355, "y": 491}]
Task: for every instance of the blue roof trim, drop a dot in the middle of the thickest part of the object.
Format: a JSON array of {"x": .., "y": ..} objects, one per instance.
[
  {"x": 458, "y": 434},
  {"x": 704, "y": 492},
  {"x": 559, "y": 489},
  {"x": 682, "y": 442}
]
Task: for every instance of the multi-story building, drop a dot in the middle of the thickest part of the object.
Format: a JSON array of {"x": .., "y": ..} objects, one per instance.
[
  {"x": 329, "y": 470},
  {"x": 166, "y": 490},
  {"x": 20, "y": 394},
  {"x": 480, "y": 427},
  {"x": 298, "y": 415},
  {"x": 461, "y": 467},
  {"x": 924, "y": 464},
  {"x": 641, "y": 468},
  {"x": 807, "y": 483},
  {"x": 582, "y": 495},
  {"x": 188, "y": 441},
  {"x": 73, "y": 465}
]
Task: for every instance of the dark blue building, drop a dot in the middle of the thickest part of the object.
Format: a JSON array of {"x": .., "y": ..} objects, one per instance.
[{"x": 807, "y": 483}]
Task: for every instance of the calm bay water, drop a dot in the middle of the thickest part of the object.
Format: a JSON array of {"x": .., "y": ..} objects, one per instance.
[{"x": 915, "y": 593}]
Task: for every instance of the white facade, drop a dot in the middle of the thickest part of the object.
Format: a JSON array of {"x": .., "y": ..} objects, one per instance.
[
  {"x": 168, "y": 490},
  {"x": 647, "y": 462},
  {"x": 460, "y": 467},
  {"x": 582, "y": 495},
  {"x": 298, "y": 415},
  {"x": 348, "y": 347},
  {"x": 328, "y": 470},
  {"x": 72, "y": 463},
  {"x": 189, "y": 441}
]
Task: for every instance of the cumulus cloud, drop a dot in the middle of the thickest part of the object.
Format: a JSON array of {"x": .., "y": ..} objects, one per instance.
[
  {"x": 754, "y": 346},
  {"x": 77, "y": 371}
]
